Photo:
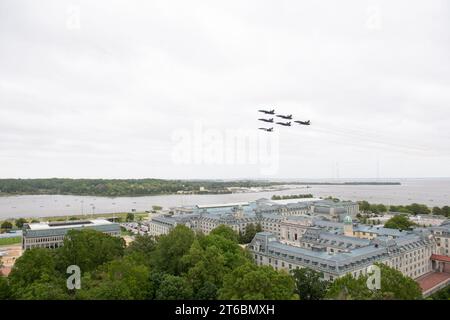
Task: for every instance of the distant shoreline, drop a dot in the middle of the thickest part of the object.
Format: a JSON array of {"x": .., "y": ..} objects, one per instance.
[{"x": 220, "y": 187}]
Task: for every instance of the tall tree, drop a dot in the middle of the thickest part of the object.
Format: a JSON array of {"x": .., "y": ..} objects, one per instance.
[
  {"x": 400, "y": 221},
  {"x": 225, "y": 232},
  {"x": 31, "y": 266},
  {"x": 394, "y": 285},
  {"x": 88, "y": 249},
  {"x": 120, "y": 279},
  {"x": 130, "y": 217},
  {"x": 35, "y": 265},
  {"x": 437, "y": 211},
  {"x": 5, "y": 290},
  {"x": 205, "y": 269},
  {"x": 174, "y": 288},
  {"x": 349, "y": 288},
  {"x": 364, "y": 206},
  {"x": 309, "y": 284},
  {"x": 251, "y": 282},
  {"x": 141, "y": 248},
  {"x": 6, "y": 225},
  {"x": 171, "y": 248},
  {"x": 20, "y": 222}
]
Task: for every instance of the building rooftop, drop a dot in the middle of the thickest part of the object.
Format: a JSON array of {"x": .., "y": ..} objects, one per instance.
[
  {"x": 67, "y": 224},
  {"x": 222, "y": 205},
  {"x": 294, "y": 201}
]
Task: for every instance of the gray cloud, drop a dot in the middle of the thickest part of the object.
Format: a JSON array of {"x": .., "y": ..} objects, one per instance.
[{"x": 104, "y": 100}]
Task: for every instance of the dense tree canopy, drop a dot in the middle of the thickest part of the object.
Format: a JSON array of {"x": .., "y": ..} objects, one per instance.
[
  {"x": 249, "y": 233},
  {"x": 5, "y": 290},
  {"x": 121, "y": 187},
  {"x": 20, "y": 222},
  {"x": 257, "y": 283},
  {"x": 309, "y": 284},
  {"x": 399, "y": 222},
  {"x": 414, "y": 208},
  {"x": 171, "y": 248},
  {"x": 120, "y": 279},
  {"x": 141, "y": 248},
  {"x": 6, "y": 225},
  {"x": 88, "y": 249}
]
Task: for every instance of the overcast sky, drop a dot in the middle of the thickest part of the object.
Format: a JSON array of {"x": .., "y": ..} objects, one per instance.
[{"x": 103, "y": 88}]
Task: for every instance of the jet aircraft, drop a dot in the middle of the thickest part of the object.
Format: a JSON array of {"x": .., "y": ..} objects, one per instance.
[
  {"x": 266, "y": 129},
  {"x": 288, "y": 117},
  {"x": 286, "y": 124},
  {"x": 267, "y": 111},
  {"x": 266, "y": 120},
  {"x": 305, "y": 123}
]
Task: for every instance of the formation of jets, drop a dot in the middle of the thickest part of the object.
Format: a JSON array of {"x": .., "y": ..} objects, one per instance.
[{"x": 286, "y": 117}]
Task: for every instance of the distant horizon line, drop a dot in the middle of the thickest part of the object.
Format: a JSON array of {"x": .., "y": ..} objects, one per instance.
[{"x": 233, "y": 179}]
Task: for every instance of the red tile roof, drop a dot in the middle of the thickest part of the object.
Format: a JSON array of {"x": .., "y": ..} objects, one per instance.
[{"x": 440, "y": 258}]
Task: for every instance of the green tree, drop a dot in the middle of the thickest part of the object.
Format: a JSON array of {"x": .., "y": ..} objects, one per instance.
[
  {"x": 120, "y": 279},
  {"x": 6, "y": 225},
  {"x": 437, "y": 211},
  {"x": 20, "y": 222},
  {"x": 130, "y": 217},
  {"x": 364, "y": 206},
  {"x": 249, "y": 234},
  {"x": 141, "y": 248},
  {"x": 373, "y": 208},
  {"x": 88, "y": 249},
  {"x": 225, "y": 232},
  {"x": 394, "y": 285},
  {"x": 309, "y": 284},
  {"x": 349, "y": 288},
  {"x": 381, "y": 208},
  {"x": 205, "y": 270},
  {"x": 399, "y": 222},
  {"x": 171, "y": 248},
  {"x": 35, "y": 265},
  {"x": 443, "y": 294},
  {"x": 234, "y": 256},
  {"x": 251, "y": 282},
  {"x": 446, "y": 211},
  {"x": 45, "y": 288},
  {"x": 174, "y": 288},
  {"x": 416, "y": 209},
  {"x": 5, "y": 290}
]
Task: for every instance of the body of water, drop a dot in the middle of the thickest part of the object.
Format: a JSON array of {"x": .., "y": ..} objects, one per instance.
[{"x": 433, "y": 192}]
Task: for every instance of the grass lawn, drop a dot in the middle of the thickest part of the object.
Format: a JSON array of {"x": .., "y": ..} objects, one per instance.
[{"x": 9, "y": 241}]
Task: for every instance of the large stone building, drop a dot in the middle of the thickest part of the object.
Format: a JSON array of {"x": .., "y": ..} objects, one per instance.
[
  {"x": 51, "y": 234},
  {"x": 319, "y": 234},
  {"x": 270, "y": 214},
  {"x": 337, "y": 249},
  {"x": 442, "y": 235}
]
